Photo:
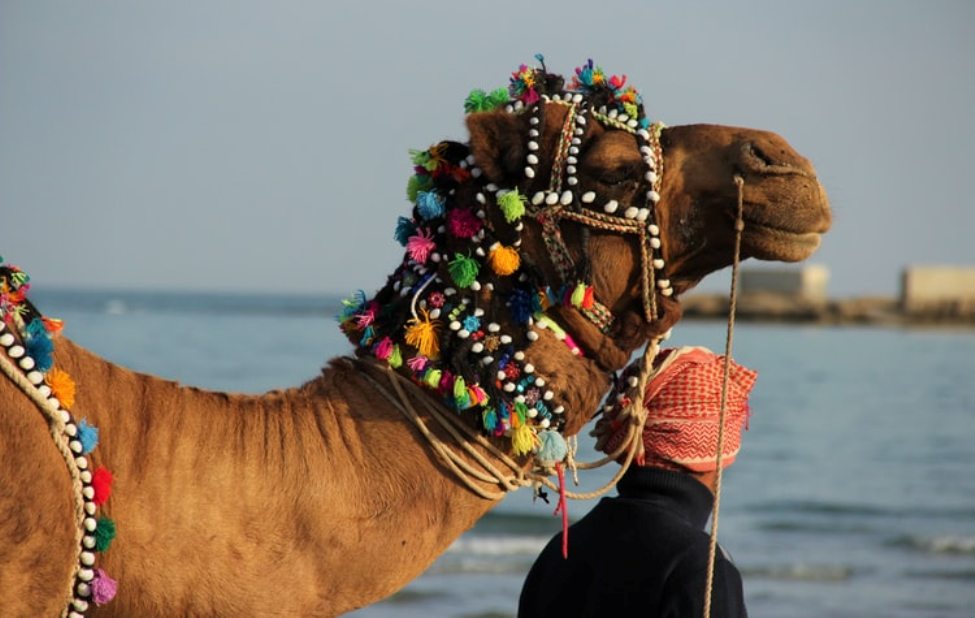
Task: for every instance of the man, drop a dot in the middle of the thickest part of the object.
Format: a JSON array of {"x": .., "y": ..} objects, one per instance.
[{"x": 645, "y": 552}]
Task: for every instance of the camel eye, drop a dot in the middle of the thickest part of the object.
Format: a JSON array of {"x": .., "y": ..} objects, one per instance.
[{"x": 617, "y": 177}]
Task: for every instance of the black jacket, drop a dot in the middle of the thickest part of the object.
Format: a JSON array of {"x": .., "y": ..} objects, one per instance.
[{"x": 643, "y": 553}]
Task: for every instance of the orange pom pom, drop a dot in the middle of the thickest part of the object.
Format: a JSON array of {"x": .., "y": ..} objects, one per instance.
[
  {"x": 62, "y": 386},
  {"x": 422, "y": 335},
  {"x": 504, "y": 260}
]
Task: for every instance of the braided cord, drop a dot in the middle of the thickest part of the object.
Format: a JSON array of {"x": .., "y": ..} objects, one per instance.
[{"x": 713, "y": 543}]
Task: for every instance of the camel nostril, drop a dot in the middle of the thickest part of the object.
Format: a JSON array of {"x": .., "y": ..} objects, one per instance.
[{"x": 756, "y": 157}]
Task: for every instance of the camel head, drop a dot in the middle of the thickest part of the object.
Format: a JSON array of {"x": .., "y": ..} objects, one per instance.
[{"x": 569, "y": 212}]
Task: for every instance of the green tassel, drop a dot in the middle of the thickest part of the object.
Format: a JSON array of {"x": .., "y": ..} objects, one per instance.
[
  {"x": 432, "y": 378},
  {"x": 522, "y": 411},
  {"x": 578, "y": 294},
  {"x": 104, "y": 533},
  {"x": 416, "y": 184},
  {"x": 395, "y": 359},
  {"x": 480, "y": 101},
  {"x": 463, "y": 270},
  {"x": 512, "y": 204},
  {"x": 462, "y": 399}
]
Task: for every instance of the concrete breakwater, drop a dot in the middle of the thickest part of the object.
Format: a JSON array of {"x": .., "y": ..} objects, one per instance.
[{"x": 771, "y": 307}]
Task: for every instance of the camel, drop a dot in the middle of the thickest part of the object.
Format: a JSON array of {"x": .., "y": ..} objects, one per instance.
[{"x": 322, "y": 498}]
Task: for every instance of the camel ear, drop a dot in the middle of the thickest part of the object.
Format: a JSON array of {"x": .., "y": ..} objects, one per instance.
[{"x": 498, "y": 145}]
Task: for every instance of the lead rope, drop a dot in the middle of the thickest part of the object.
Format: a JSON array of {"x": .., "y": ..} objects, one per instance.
[{"x": 729, "y": 339}]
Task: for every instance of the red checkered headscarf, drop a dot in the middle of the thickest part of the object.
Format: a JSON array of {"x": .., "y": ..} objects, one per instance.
[{"x": 683, "y": 401}]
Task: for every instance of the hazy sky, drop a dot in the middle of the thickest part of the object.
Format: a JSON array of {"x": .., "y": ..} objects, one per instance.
[{"x": 233, "y": 145}]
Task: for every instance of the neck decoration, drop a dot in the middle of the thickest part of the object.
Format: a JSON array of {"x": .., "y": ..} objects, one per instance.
[
  {"x": 458, "y": 313},
  {"x": 27, "y": 338}
]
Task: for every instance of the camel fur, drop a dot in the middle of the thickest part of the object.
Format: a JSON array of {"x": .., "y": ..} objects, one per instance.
[{"x": 320, "y": 499}]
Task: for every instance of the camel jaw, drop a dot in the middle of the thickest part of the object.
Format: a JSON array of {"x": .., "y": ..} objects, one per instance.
[{"x": 765, "y": 242}]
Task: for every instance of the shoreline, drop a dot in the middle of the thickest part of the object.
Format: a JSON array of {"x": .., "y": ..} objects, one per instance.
[{"x": 855, "y": 311}]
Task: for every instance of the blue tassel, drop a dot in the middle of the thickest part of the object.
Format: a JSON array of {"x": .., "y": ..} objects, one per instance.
[
  {"x": 39, "y": 345},
  {"x": 430, "y": 205},
  {"x": 404, "y": 229},
  {"x": 490, "y": 418},
  {"x": 551, "y": 448},
  {"x": 88, "y": 436},
  {"x": 523, "y": 305},
  {"x": 352, "y": 306}
]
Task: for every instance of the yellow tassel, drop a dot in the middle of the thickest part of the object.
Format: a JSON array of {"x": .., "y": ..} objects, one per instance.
[
  {"x": 504, "y": 260},
  {"x": 422, "y": 335},
  {"x": 62, "y": 386},
  {"x": 522, "y": 439}
]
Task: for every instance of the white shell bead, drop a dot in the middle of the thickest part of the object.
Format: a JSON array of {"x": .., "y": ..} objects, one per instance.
[
  {"x": 90, "y": 508},
  {"x": 434, "y": 314},
  {"x": 644, "y": 134},
  {"x": 455, "y": 325},
  {"x": 632, "y": 123},
  {"x": 44, "y": 389},
  {"x": 519, "y": 105},
  {"x": 576, "y": 141},
  {"x": 611, "y": 206},
  {"x": 478, "y": 312},
  {"x": 477, "y": 348},
  {"x": 551, "y": 199},
  {"x": 476, "y": 172},
  {"x": 509, "y": 387},
  {"x": 83, "y": 588},
  {"x": 532, "y": 145},
  {"x": 622, "y": 117},
  {"x": 577, "y": 98},
  {"x": 434, "y": 257},
  {"x": 559, "y": 409},
  {"x": 15, "y": 351},
  {"x": 27, "y": 363},
  {"x": 87, "y": 558},
  {"x": 519, "y": 355},
  {"x": 571, "y": 160},
  {"x": 85, "y": 476},
  {"x": 655, "y": 243},
  {"x": 548, "y": 395},
  {"x": 476, "y": 286},
  {"x": 570, "y": 169},
  {"x": 538, "y": 198},
  {"x": 631, "y": 212},
  {"x": 529, "y": 368},
  {"x": 652, "y": 176},
  {"x": 667, "y": 292},
  {"x": 70, "y": 429},
  {"x": 532, "y": 132},
  {"x": 85, "y": 575},
  {"x": 654, "y": 196},
  {"x": 505, "y": 339},
  {"x": 532, "y": 335},
  {"x": 532, "y": 413},
  {"x": 653, "y": 229},
  {"x": 566, "y": 198},
  {"x": 6, "y": 339},
  {"x": 533, "y": 159},
  {"x": 581, "y": 119},
  {"x": 658, "y": 264},
  {"x": 529, "y": 172},
  {"x": 479, "y": 251},
  {"x": 509, "y": 108},
  {"x": 35, "y": 377},
  {"x": 90, "y": 524},
  {"x": 588, "y": 197},
  {"x": 572, "y": 180},
  {"x": 494, "y": 327},
  {"x": 613, "y": 113},
  {"x": 539, "y": 382},
  {"x": 88, "y": 492},
  {"x": 81, "y": 462},
  {"x": 75, "y": 446},
  {"x": 487, "y": 360},
  {"x": 663, "y": 283},
  {"x": 534, "y": 120},
  {"x": 643, "y": 214},
  {"x": 573, "y": 150},
  {"x": 480, "y": 198},
  {"x": 545, "y": 423}
]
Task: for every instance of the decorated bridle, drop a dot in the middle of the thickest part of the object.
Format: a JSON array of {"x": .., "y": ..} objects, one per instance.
[{"x": 429, "y": 321}]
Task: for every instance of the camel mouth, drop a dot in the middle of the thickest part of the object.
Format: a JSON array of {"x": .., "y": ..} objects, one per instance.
[{"x": 766, "y": 242}]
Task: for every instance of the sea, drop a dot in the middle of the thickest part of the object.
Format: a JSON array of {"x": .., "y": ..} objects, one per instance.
[{"x": 853, "y": 495}]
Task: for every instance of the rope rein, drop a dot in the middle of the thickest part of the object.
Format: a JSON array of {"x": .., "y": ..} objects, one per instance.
[{"x": 729, "y": 339}]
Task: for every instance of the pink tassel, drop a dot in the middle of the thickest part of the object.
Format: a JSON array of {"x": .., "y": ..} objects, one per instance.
[
  {"x": 463, "y": 223},
  {"x": 384, "y": 348},
  {"x": 103, "y": 588},
  {"x": 420, "y": 246}
]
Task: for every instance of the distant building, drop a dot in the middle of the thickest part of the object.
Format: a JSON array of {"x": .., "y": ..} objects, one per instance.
[
  {"x": 805, "y": 282},
  {"x": 937, "y": 287}
]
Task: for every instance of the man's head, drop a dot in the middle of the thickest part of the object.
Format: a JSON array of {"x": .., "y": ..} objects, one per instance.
[{"x": 683, "y": 402}]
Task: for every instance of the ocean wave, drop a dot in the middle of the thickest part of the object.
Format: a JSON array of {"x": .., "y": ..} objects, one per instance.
[
  {"x": 499, "y": 545},
  {"x": 800, "y": 572},
  {"x": 944, "y": 544}
]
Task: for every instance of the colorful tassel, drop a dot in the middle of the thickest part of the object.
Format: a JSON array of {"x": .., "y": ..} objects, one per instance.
[
  {"x": 101, "y": 482},
  {"x": 463, "y": 223},
  {"x": 384, "y": 348},
  {"x": 462, "y": 399},
  {"x": 422, "y": 335},
  {"x": 463, "y": 270},
  {"x": 420, "y": 245},
  {"x": 512, "y": 205},
  {"x": 404, "y": 229},
  {"x": 39, "y": 345},
  {"x": 417, "y": 364},
  {"x": 551, "y": 448},
  {"x": 417, "y": 183},
  {"x": 352, "y": 305},
  {"x": 53, "y": 325},
  {"x": 104, "y": 533},
  {"x": 522, "y": 439},
  {"x": 395, "y": 359},
  {"x": 480, "y": 101},
  {"x": 88, "y": 436},
  {"x": 490, "y": 419},
  {"x": 478, "y": 395},
  {"x": 62, "y": 386},
  {"x": 432, "y": 378},
  {"x": 430, "y": 205},
  {"x": 504, "y": 260},
  {"x": 103, "y": 588}
]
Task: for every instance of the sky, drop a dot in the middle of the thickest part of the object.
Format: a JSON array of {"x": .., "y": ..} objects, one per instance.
[{"x": 230, "y": 145}]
